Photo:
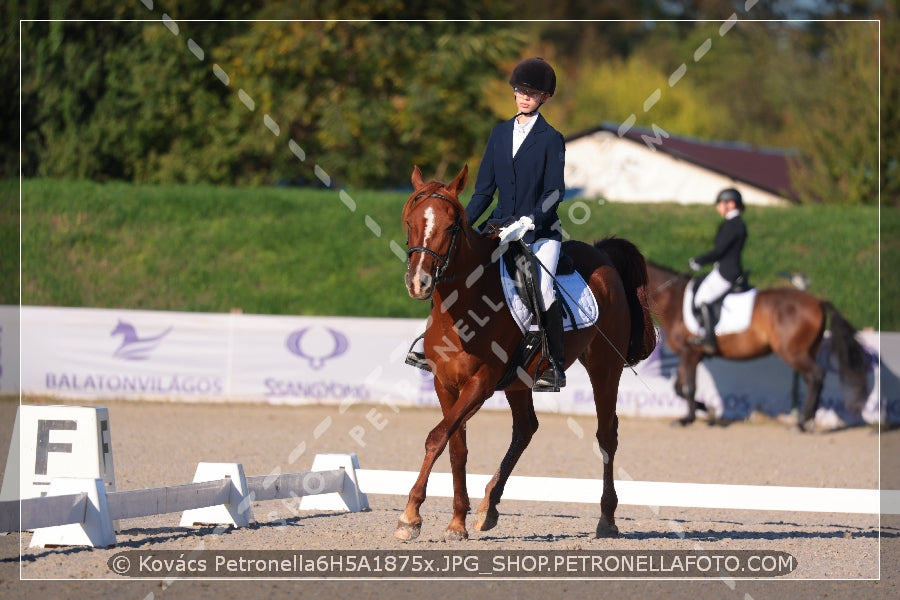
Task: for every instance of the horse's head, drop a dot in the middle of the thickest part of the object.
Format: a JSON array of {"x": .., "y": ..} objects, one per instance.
[
  {"x": 124, "y": 328},
  {"x": 433, "y": 218}
]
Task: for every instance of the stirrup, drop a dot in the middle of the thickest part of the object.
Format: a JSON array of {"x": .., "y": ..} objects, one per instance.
[
  {"x": 417, "y": 359},
  {"x": 703, "y": 343},
  {"x": 551, "y": 379}
]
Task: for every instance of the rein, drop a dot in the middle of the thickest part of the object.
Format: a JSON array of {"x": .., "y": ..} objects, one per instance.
[{"x": 668, "y": 282}]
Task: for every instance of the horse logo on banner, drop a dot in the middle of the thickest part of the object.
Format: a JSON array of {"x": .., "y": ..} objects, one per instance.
[
  {"x": 295, "y": 345},
  {"x": 133, "y": 346}
]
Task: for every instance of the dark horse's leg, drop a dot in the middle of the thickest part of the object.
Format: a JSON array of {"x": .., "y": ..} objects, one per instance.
[
  {"x": 686, "y": 384},
  {"x": 605, "y": 385},
  {"x": 450, "y": 430},
  {"x": 525, "y": 424},
  {"x": 814, "y": 376}
]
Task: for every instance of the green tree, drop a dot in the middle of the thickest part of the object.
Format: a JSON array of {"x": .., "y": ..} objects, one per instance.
[
  {"x": 890, "y": 107},
  {"x": 839, "y": 135},
  {"x": 367, "y": 100},
  {"x": 360, "y": 95},
  {"x": 106, "y": 99}
]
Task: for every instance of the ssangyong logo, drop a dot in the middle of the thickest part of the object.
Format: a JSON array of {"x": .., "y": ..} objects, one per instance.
[
  {"x": 135, "y": 347},
  {"x": 317, "y": 348}
]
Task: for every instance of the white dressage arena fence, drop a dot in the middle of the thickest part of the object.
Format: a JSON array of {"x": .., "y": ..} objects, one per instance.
[
  {"x": 79, "y": 511},
  {"x": 79, "y": 506}
]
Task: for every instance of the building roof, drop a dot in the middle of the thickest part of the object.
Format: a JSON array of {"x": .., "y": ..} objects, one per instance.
[{"x": 765, "y": 168}]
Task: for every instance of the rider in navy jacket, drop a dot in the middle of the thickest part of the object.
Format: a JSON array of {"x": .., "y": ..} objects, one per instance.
[
  {"x": 531, "y": 183},
  {"x": 523, "y": 164}
]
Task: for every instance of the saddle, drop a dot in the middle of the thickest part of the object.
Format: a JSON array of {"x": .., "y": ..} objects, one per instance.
[
  {"x": 524, "y": 273},
  {"x": 740, "y": 285}
]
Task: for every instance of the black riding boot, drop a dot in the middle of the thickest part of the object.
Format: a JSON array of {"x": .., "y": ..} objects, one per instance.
[
  {"x": 553, "y": 376},
  {"x": 708, "y": 341}
]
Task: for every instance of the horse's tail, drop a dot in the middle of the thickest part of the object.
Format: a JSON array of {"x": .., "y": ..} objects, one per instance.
[
  {"x": 851, "y": 357},
  {"x": 632, "y": 268}
]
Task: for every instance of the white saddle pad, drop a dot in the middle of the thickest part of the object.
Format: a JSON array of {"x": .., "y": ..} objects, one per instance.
[
  {"x": 575, "y": 292},
  {"x": 737, "y": 312}
]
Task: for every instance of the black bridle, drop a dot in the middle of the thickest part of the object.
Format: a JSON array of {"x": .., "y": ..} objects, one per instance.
[{"x": 443, "y": 261}]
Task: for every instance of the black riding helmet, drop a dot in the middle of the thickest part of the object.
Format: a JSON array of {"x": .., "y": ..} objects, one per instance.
[
  {"x": 733, "y": 195},
  {"x": 534, "y": 74}
]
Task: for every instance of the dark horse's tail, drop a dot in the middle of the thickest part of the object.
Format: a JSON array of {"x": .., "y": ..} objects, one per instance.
[
  {"x": 851, "y": 357},
  {"x": 632, "y": 268}
]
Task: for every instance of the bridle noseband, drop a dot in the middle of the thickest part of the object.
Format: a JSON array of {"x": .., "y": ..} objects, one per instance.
[{"x": 443, "y": 261}]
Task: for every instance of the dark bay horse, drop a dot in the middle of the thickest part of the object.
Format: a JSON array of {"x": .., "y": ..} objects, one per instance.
[
  {"x": 787, "y": 322},
  {"x": 471, "y": 333}
]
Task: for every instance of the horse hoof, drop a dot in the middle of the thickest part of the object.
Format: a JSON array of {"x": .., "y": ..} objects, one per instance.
[
  {"x": 605, "y": 529},
  {"x": 452, "y": 535},
  {"x": 801, "y": 428},
  {"x": 407, "y": 531},
  {"x": 486, "y": 521},
  {"x": 683, "y": 422}
]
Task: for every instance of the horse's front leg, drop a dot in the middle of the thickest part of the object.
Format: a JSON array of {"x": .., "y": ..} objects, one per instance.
[
  {"x": 449, "y": 430},
  {"x": 459, "y": 453},
  {"x": 525, "y": 425}
]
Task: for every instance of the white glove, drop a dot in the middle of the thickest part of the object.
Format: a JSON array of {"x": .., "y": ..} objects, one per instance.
[
  {"x": 515, "y": 231},
  {"x": 695, "y": 266}
]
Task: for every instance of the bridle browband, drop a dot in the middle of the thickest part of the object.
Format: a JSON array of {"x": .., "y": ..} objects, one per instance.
[{"x": 443, "y": 261}]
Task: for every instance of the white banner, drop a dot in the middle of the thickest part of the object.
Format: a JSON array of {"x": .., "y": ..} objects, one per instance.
[
  {"x": 9, "y": 350},
  {"x": 112, "y": 353}
]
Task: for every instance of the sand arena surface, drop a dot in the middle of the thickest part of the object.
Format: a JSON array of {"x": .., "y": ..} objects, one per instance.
[{"x": 159, "y": 444}]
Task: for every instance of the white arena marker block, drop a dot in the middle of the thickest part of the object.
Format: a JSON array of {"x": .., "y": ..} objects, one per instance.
[
  {"x": 96, "y": 530},
  {"x": 237, "y": 512},
  {"x": 351, "y": 498},
  {"x": 57, "y": 441}
]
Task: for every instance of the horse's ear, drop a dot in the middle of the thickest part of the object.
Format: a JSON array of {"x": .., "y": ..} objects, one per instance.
[
  {"x": 459, "y": 184},
  {"x": 417, "y": 180}
]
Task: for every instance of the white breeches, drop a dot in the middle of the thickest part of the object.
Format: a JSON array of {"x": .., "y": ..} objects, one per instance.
[
  {"x": 547, "y": 252},
  {"x": 712, "y": 288}
]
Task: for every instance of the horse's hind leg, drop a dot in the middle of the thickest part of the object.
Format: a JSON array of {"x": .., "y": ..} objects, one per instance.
[
  {"x": 686, "y": 387},
  {"x": 814, "y": 376},
  {"x": 525, "y": 424},
  {"x": 605, "y": 382}
]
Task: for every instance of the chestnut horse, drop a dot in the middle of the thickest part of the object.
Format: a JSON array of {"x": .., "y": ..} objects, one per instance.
[
  {"x": 787, "y": 322},
  {"x": 471, "y": 333}
]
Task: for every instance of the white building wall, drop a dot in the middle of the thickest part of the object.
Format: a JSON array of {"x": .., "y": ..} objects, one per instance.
[{"x": 603, "y": 165}]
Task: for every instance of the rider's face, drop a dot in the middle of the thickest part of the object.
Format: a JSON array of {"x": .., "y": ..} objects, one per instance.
[
  {"x": 528, "y": 100},
  {"x": 723, "y": 207}
]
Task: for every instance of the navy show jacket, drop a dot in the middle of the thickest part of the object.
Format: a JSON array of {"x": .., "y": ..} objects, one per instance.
[{"x": 531, "y": 183}]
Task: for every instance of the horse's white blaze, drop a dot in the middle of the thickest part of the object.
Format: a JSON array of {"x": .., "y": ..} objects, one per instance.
[
  {"x": 429, "y": 225},
  {"x": 429, "y": 230}
]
